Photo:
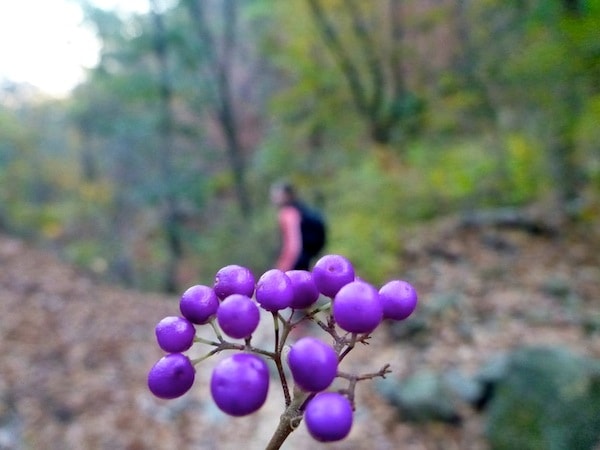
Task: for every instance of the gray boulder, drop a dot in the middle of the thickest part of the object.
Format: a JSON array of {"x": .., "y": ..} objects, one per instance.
[
  {"x": 541, "y": 398},
  {"x": 426, "y": 396}
]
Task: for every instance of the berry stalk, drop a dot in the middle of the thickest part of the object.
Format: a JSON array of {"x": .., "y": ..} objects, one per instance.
[
  {"x": 240, "y": 381},
  {"x": 289, "y": 420}
]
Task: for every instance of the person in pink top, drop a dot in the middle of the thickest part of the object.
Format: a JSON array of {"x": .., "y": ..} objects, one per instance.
[{"x": 302, "y": 230}]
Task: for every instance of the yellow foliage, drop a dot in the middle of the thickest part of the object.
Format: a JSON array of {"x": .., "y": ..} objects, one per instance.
[
  {"x": 526, "y": 164},
  {"x": 60, "y": 174},
  {"x": 98, "y": 192},
  {"x": 51, "y": 229}
]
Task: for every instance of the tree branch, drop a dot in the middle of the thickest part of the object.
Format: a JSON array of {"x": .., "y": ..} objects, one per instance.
[
  {"x": 369, "y": 50},
  {"x": 397, "y": 36},
  {"x": 197, "y": 13},
  {"x": 332, "y": 40},
  {"x": 220, "y": 75}
]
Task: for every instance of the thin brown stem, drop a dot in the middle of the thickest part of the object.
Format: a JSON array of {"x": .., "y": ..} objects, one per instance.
[
  {"x": 216, "y": 330},
  {"x": 279, "y": 343},
  {"x": 348, "y": 348},
  {"x": 201, "y": 340},
  {"x": 288, "y": 421},
  {"x": 283, "y": 379},
  {"x": 354, "y": 379}
]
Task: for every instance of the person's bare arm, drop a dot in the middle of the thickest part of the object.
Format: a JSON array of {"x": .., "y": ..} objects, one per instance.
[{"x": 289, "y": 224}]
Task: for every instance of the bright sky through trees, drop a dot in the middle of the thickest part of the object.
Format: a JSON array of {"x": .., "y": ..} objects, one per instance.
[{"x": 45, "y": 43}]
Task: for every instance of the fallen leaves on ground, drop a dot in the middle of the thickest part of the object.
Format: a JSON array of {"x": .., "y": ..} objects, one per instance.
[{"x": 75, "y": 352}]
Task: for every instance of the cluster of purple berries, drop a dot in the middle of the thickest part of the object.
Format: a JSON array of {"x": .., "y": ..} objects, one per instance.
[{"x": 240, "y": 382}]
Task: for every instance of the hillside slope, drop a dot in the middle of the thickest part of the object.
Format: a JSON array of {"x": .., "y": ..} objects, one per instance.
[{"x": 75, "y": 353}]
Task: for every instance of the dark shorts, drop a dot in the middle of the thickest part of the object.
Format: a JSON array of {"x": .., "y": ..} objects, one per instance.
[{"x": 303, "y": 262}]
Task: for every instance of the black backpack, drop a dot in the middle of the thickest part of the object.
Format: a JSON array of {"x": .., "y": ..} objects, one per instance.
[{"x": 313, "y": 229}]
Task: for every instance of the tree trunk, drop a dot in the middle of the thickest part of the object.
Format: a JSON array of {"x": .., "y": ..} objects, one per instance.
[
  {"x": 375, "y": 95},
  {"x": 466, "y": 67},
  {"x": 219, "y": 72},
  {"x": 171, "y": 218}
]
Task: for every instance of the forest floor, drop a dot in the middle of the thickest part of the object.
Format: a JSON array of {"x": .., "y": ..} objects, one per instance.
[{"x": 75, "y": 353}]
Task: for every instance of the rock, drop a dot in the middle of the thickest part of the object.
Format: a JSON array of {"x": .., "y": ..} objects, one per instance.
[
  {"x": 533, "y": 398},
  {"x": 556, "y": 287},
  {"x": 11, "y": 427},
  {"x": 543, "y": 398},
  {"x": 591, "y": 323},
  {"x": 423, "y": 397},
  {"x": 464, "y": 388},
  {"x": 414, "y": 330}
]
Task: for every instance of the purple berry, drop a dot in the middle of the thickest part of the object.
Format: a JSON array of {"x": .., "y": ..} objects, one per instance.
[
  {"x": 357, "y": 307},
  {"x": 175, "y": 334},
  {"x": 274, "y": 290},
  {"x": 233, "y": 279},
  {"x": 399, "y": 299},
  {"x": 238, "y": 316},
  {"x": 199, "y": 304},
  {"x": 239, "y": 384},
  {"x": 313, "y": 364},
  {"x": 171, "y": 376},
  {"x": 328, "y": 417},
  {"x": 304, "y": 287},
  {"x": 331, "y": 273}
]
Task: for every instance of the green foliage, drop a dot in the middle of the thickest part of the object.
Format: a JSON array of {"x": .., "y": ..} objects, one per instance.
[
  {"x": 88, "y": 254},
  {"x": 370, "y": 201},
  {"x": 459, "y": 170},
  {"x": 363, "y": 211},
  {"x": 89, "y": 173},
  {"x": 587, "y": 138},
  {"x": 251, "y": 243},
  {"x": 526, "y": 168},
  {"x": 463, "y": 173}
]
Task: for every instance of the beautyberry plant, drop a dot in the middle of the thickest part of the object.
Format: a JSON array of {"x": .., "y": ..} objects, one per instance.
[{"x": 346, "y": 309}]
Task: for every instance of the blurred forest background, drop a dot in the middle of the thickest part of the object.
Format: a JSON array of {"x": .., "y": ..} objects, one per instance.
[{"x": 387, "y": 114}]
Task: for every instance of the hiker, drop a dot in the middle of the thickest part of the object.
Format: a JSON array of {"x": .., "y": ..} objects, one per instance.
[{"x": 302, "y": 229}]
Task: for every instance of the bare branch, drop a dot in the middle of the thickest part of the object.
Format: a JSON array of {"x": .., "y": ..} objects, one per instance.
[
  {"x": 397, "y": 31},
  {"x": 220, "y": 73},
  {"x": 353, "y": 379},
  {"x": 332, "y": 40},
  {"x": 369, "y": 50}
]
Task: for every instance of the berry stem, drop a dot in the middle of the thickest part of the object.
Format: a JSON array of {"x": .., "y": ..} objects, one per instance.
[
  {"x": 311, "y": 315},
  {"x": 279, "y": 342},
  {"x": 216, "y": 330},
  {"x": 276, "y": 327},
  {"x": 226, "y": 345},
  {"x": 321, "y": 308},
  {"x": 206, "y": 341},
  {"x": 284, "y": 335},
  {"x": 208, "y": 355},
  {"x": 349, "y": 346},
  {"x": 287, "y": 321},
  {"x": 353, "y": 379},
  {"x": 259, "y": 351},
  {"x": 289, "y": 420},
  {"x": 321, "y": 324},
  {"x": 283, "y": 379},
  {"x": 367, "y": 376}
]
